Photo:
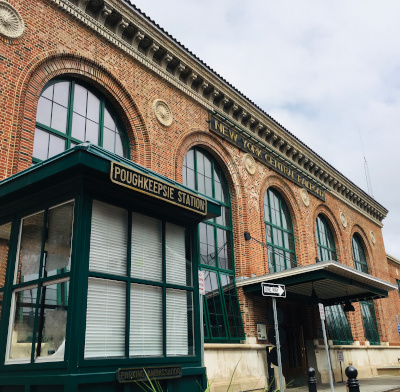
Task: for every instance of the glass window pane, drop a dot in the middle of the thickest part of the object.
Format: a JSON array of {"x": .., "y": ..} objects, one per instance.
[
  {"x": 175, "y": 258},
  {"x": 214, "y": 305},
  {"x": 200, "y": 162},
  {"x": 23, "y": 321},
  {"x": 146, "y": 253},
  {"x": 30, "y": 248},
  {"x": 105, "y": 319},
  {"x": 48, "y": 92},
  {"x": 222, "y": 245},
  {"x": 93, "y": 108},
  {"x": 189, "y": 159},
  {"x": 5, "y": 232},
  {"x": 59, "y": 239},
  {"x": 232, "y": 307},
  {"x": 78, "y": 127},
  {"x": 108, "y": 239},
  {"x": 59, "y": 118},
  {"x": 146, "y": 325},
  {"x": 41, "y": 144},
  {"x": 108, "y": 139},
  {"x": 119, "y": 148},
  {"x": 43, "y": 113},
  {"x": 108, "y": 120},
  {"x": 179, "y": 308},
  {"x": 92, "y": 132},
  {"x": 80, "y": 99},
  {"x": 56, "y": 145},
  {"x": 52, "y": 322},
  {"x": 61, "y": 93}
]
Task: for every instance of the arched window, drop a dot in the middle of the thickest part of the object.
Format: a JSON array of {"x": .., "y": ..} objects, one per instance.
[
  {"x": 325, "y": 241},
  {"x": 279, "y": 232},
  {"x": 367, "y": 307},
  {"x": 222, "y": 318},
  {"x": 336, "y": 320},
  {"x": 360, "y": 261},
  {"x": 69, "y": 113}
]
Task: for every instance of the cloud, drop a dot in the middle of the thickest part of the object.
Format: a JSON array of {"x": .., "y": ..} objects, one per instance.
[{"x": 326, "y": 70}]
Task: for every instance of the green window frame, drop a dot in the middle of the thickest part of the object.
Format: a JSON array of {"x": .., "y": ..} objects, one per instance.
[
  {"x": 134, "y": 257},
  {"x": 40, "y": 286},
  {"x": 70, "y": 112},
  {"x": 279, "y": 232},
  {"x": 5, "y": 236},
  {"x": 360, "y": 260},
  {"x": 222, "y": 318},
  {"x": 339, "y": 329},
  {"x": 325, "y": 242},
  {"x": 370, "y": 322}
]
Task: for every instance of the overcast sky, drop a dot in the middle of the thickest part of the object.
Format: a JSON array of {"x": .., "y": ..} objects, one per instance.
[{"x": 328, "y": 71}]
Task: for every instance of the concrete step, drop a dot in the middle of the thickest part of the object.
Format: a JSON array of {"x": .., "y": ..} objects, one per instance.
[{"x": 389, "y": 370}]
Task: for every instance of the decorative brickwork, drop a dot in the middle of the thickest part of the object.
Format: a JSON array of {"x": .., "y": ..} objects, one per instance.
[{"x": 55, "y": 45}]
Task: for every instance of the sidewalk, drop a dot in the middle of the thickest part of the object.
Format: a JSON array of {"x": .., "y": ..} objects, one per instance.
[{"x": 372, "y": 384}]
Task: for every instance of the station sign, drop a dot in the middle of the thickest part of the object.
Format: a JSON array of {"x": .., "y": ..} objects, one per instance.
[
  {"x": 143, "y": 183},
  {"x": 152, "y": 373},
  {"x": 267, "y": 157},
  {"x": 273, "y": 290}
]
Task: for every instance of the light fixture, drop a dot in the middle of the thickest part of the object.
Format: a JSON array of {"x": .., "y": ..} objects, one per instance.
[
  {"x": 348, "y": 307},
  {"x": 247, "y": 236},
  {"x": 314, "y": 297}
]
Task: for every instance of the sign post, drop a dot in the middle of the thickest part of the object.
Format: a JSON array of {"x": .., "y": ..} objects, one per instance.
[
  {"x": 276, "y": 290},
  {"x": 340, "y": 358},
  {"x": 322, "y": 316},
  {"x": 202, "y": 293}
]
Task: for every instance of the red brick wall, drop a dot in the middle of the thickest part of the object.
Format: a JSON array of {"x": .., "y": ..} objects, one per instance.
[{"x": 54, "y": 44}]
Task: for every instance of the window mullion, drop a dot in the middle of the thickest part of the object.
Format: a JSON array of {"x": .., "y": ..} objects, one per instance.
[
  {"x": 128, "y": 286},
  {"x": 70, "y": 113},
  {"x": 196, "y": 182},
  {"x": 224, "y": 311},
  {"x": 101, "y": 123},
  {"x": 164, "y": 291},
  {"x": 39, "y": 287}
]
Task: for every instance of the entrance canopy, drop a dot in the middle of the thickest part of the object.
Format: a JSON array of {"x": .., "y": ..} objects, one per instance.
[{"x": 334, "y": 283}]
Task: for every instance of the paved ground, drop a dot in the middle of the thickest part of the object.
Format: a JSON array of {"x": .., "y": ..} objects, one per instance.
[{"x": 372, "y": 384}]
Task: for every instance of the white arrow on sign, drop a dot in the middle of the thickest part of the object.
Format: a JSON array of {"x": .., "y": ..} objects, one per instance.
[{"x": 273, "y": 290}]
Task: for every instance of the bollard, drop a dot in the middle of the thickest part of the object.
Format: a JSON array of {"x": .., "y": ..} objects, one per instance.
[
  {"x": 312, "y": 381},
  {"x": 353, "y": 384}
]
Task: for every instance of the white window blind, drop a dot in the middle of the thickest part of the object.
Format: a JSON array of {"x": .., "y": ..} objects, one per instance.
[
  {"x": 146, "y": 326},
  {"x": 105, "y": 319},
  {"x": 109, "y": 239},
  {"x": 146, "y": 257},
  {"x": 177, "y": 322},
  {"x": 175, "y": 254}
]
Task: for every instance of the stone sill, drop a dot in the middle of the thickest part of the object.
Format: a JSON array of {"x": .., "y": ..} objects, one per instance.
[{"x": 235, "y": 346}]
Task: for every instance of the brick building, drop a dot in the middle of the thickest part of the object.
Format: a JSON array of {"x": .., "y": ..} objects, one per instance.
[{"x": 127, "y": 165}]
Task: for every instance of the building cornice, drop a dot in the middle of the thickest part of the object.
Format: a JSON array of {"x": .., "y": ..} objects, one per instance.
[
  {"x": 392, "y": 259},
  {"x": 127, "y": 28}
]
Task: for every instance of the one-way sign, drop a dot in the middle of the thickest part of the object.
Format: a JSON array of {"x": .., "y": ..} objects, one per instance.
[{"x": 273, "y": 290}]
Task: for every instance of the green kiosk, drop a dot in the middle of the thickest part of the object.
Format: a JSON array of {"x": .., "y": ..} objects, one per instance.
[{"x": 98, "y": 277}]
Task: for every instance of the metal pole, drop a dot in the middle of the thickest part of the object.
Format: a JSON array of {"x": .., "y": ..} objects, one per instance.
[
  {"x": 327, "y": 354},
  {"x": 278, "y": 345},
  {"x": 201, "y": 331}
]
